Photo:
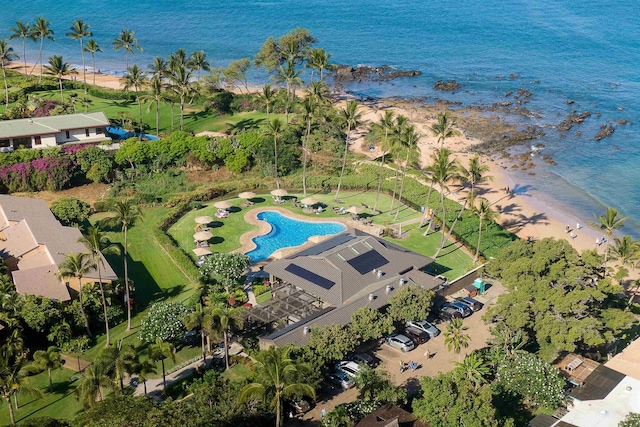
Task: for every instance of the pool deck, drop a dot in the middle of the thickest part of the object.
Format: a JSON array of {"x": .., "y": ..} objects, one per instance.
[{"x": 251, "y": 217}]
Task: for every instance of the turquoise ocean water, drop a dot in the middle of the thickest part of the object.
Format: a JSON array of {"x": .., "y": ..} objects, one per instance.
[{"x": 588, "y": 52}]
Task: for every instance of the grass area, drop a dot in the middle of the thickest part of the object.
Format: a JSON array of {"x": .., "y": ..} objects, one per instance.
[{"x": 61, "y": 403}]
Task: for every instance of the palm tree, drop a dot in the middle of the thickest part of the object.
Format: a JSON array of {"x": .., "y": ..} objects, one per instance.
[
  {"x": 278, "y": 377},
  {"x": 507, "y": 341},
  {"x": 117, "y": 361},
  {"x": 455, "y": 338},
  {"x": 627, "y": 251},
  {"x": 351, "y": 117},
  {"x": 395, "y": 149},
  {"x": 444, "y": 127},
  {"x": 608, "y": 222},
  {"x": 80, "y": 30},
  {"x": 486, "y": 215},
  {"x": 201, "y": 319},
  {"x": 409, "y": 141},
  {"x": 274, "y": 130},
  {"x": 383, "y": 127},
  {"x": 128, "y": 42},
  {"x": 310, "y": 108},
  {"x": 127, "y": 212},
  {"x": 49, "y": 359},
  {"x": 156, "y": 95},
  {"x": 180, "y": 77},
  {"x": 6, "y": 55},
  {"x": 143, "y": 369},
  {"x": 223, "y": 319},
  {"x": 99, "y": 244},
  {"x": 134, "y": 78},
  {"x": 13, "y": 381},
  {"x": 92, "y": 48},
  {"x": 318, "y": 60},
  {"x": 198, "y": 61},
  {"x": 474, "y": 369},
  {"x": 291, "y": 78},
  {"x": 159, "y": 68},
  {"x": 475, "y": 173},
  {"x": 58, "y": 68},
  {"x": 77, "y": 265},
  {"x": 22, "y": 30},
  {"x": 267, "y": 97},
  {"x": 41, "y": 30},
  {"x": 94, "y": 379},
  {"x": 159, "y": 351}
]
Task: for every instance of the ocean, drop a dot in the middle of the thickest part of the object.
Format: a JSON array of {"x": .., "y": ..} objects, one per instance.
[{"x": 571, "y": 56}]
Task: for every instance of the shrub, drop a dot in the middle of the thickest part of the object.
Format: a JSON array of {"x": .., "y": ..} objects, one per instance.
[
  {"x": 196, "y": 204},
  {"x": 70, "y": 211},
  {"x": 163, "y": 321}
]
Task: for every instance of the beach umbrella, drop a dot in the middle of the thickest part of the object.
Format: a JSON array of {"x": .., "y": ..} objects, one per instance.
[
  {"x": 309, "y": 201},
  {"x": 279, "y": 192},
  {"x": 201, "y": 236},
  {"x": 247, "y": 195},
  {"x": 354, "y": 210},
  {"x": 222, "y": 204},
  {"x": 203, "y": 219},
  {"x": 202, "y": 251}
]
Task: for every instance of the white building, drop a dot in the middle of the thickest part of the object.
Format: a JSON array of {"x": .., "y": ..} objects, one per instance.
[{"x": 51, "y": 131}]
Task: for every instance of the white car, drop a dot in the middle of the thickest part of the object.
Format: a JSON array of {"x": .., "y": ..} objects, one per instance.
[
  {"x": 401, "y": 342},
  {"x": 352, "y": 369},
  {"x": 425, "y": 326}
]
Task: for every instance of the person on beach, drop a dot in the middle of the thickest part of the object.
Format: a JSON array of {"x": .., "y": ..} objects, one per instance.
[
  {"x": 577, "y": 226},
  {"x": 573, "y": 236},
  {"x": 427, "y": 354},
  {"x": 401, "y": 366},
  {"x": 567, "y": 229}
]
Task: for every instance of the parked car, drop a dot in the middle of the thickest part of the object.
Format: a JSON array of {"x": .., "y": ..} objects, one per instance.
[
  {"x": 341, "y": 379},
  {"x": 364, "y": 359},
  {"x": 416, "y": 335},
  {"x": 463, "y": 309},
  {"x": 473, "y": 304},
  {"x": 447, "y": 314},
  {"x": 352, "y": 369},
  {"x": 425, "y": 326},
  {"x": 296, "y": 407},
  {"x": 400, "y": 342}
]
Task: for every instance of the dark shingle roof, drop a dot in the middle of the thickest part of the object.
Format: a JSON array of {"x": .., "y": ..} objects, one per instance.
[
  {"x": 543, "y": 420},
  {"x": 598, "y": 384}
]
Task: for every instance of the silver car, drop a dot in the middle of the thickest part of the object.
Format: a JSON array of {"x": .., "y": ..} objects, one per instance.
[
  {"x": 424, "y": 326},
  {"x": 401, "y": 342}
]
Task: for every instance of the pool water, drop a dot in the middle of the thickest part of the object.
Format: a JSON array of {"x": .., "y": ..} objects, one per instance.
[{"x": 287, "y": 232}]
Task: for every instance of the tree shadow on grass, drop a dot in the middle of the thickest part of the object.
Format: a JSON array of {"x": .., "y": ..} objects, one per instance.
[
  {"x": 122, "y": 104},
  {"x": 435, "y": 269},
  {"x": 216, "y": 240},
  {"x": 67, "y": 392},
  {"x": 244, "y": 125},
  {"x": 146, "y": 287}
]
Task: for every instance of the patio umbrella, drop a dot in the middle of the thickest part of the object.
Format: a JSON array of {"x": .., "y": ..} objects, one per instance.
[
  {"x": 247, "y": 195},
  {"x": 222, "y": 204},
  {"x": 309, "y": 201},
  {"x": 203, "y": 219},
  {"x": 279, "y": 192},
  {"x": 201, "y": 236},
  {"x": 202, "y": 251},
  {"x": 354, "y": 210}
]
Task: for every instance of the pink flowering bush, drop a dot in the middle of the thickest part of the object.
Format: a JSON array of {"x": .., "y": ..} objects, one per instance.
[{"x": 46, "y": 173}]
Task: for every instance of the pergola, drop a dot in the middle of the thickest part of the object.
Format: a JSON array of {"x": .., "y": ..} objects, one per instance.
[{"x": 288, "y": 302}]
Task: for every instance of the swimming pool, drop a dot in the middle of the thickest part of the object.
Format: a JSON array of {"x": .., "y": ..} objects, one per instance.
[{"x": 286, "y": 232}]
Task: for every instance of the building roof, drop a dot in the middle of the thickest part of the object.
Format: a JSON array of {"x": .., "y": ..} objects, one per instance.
[
  {"x": 627, "y": 361},
  {"x": 346, "y": 266},
  {"x": 51, "y": 124},
  {"x": 41, "y": 281},
  {"x": 598, "y": 384},
  {"x": 391, "y": 416},
  {"x": 576, "y": 368},
  {"x": 543, "y": 420}
]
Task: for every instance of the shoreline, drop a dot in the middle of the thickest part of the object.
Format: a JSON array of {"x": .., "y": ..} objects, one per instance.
[{"x": 525, "y": 214}]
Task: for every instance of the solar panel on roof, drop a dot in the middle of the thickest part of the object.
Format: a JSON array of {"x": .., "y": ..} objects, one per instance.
[
  {"x": 328, "y": 244},
  {"x": 309, "y": 276},
  {"x": 368, "y": 261}
]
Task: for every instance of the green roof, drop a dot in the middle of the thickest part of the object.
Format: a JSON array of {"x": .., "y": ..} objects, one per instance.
[{"x": 51, "y": 124}]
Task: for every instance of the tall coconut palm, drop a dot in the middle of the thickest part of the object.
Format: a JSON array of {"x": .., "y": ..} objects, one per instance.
[
  {"x": 444, "y": 127},
  {"x": 396, "y": 151},
  {"x": 224, "y": 319},
  {"x": 608, "y": 222},
  {"x": 135, "y": 78},
  {"x": 99, "y": 244},
  {"x": 267, "y": 97},
  {"x": 291, "y": 78},
  {"x": 475, "y": 173},
  {"x": 155, "y": 96},
  {"x": 159, "y": 68},
  {"x": 627, "y": 252},
  {"x": 159, "y": 351},
  {"x": 49, "y": 359},
  {"x": 320, "y": 93},
  {"x": 352, "y": 119},
  {"x": 318, "y": 60},
  {"x": 409, "y": 140},
  {"x": 274, "y": 130},
  {"x": 41, "y": 31},
  {"x": 309, "y": 108},
  {"x": 128, "y": 42},
  {"x": 117, "y": 361},
  {"x": 278, "y": 377},
  {"x": 91, "y": 387},
  {"x": 143, "y": 369},
  {"x": 13, "y": 382},
  {"x": 474, "y": 369},
  {"x": 198, "y": 61},
  {"x": 455, "y": 338},
  {"x": 77, "y": 265},
  {"x": 202, "y": 319},
  {"x": 486, "y": 216},
  {"x": 80, "y": 30},
  {"x": 180, "y": 77},
  {"x": 6, "y": 55},
  {"x": 381, "y": 131},
  {"x": 22, "y": 30},
  {"x": 92, "y": 48},
  {"x": 127, "y": 212},
  {"x": 59, "y": 69}
]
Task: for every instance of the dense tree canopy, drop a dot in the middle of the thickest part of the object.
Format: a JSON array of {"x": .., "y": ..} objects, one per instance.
[{"x": 410, "y": 303}]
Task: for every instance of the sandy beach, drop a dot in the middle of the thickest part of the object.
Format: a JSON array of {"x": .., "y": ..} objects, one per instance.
[{"x": 520, "y": 211}]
